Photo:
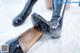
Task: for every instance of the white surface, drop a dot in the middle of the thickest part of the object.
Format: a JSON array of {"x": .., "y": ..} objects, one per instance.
[{"x": 69, "y": 41}]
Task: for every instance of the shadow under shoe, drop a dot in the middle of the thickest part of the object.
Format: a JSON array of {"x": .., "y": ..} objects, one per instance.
[
  {"x": 25, "y": 13},
  {"x": 45, "y": 26}
]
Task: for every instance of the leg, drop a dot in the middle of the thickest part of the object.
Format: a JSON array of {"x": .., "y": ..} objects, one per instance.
[
  {"x": 25, "y": 13},
  {"x": 56, "y": 6},
  {"x": 46, "y": 26},
  {"x": 56, "y": 21}
]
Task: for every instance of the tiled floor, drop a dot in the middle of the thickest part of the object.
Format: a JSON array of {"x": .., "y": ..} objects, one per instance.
[{"x": 69, "y": 41}]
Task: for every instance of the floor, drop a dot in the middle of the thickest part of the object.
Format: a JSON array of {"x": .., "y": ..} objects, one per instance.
[{"x": 69, "y": 41}]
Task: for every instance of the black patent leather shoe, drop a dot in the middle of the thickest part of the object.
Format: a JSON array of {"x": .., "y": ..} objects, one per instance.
[
  {"x": 40, "y": 22},
  {"x": 25, "y": 13},
  {"x": 14, "y": 46},
  {"x": 45, "y": 26}
]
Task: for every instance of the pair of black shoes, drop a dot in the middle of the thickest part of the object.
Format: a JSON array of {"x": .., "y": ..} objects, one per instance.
[
  {"x": 46, "y": 26},
  {"x": 52, "y": 27}
]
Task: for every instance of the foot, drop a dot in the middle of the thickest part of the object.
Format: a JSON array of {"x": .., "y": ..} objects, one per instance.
[
  {"x": 45, "y": 26},
  {"x": 40, "y": 22},
  {"x": 19, "y": 20},
  {"x": 54, "y": 22},
  {"x": 55, "y": 28}
]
